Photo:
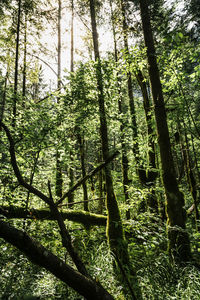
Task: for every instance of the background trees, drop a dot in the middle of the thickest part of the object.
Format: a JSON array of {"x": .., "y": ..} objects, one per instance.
[{"x": 79, "y": 125}]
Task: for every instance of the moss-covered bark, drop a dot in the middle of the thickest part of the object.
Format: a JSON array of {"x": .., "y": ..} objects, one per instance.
[
  {"x": 130, "y": 89},
  {"x": 179, "y": 244},
  {"x": 79, "y": 216},
  {"x": 115, "y": 232},
  {"x": 191, "y": 180},
  {"x": 82, "y": 156},
  {"x": 122, "y": 107},
  {"x": 41, "y": 256}
]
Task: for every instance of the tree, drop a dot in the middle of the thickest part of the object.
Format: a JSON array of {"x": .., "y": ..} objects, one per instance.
[
  {"x": 59, "y": 180},
  {"x": 179, "y": 244},
  {"x": 38, "y": 253},
  {"x": 16, "y": 62},
  {"x": 115, "y": 233}
]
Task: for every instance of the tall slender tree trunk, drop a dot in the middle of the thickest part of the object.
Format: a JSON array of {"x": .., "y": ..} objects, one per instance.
[
  {"x": 16, "y": 64},
  {"x": 71, "y": 168},
  {"x": 146, "y": 176},
  {"x": 82, "y": 156},
  {"x": 115, "y": 234},
  {"x": 178, "y": 240},
  {"x": 114, "y": 226},
  {"x": 59, "y": 179},
  {"x": 3, "y": 102},
  {"x": 25, "y": 63},
  {"x": 150, "y": 172},
  {"x": 191, "y": 180},
  {"x": 72, "y": 37},
  {"x": 122, "y": 111},
  {"x": 130, "y": 91}
]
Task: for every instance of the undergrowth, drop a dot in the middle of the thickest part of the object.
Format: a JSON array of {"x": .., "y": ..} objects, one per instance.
[{"x": 158, "y": 279}]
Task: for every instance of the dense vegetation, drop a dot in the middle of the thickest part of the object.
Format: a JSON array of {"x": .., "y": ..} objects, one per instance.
[{"x": 100, "y": 169}]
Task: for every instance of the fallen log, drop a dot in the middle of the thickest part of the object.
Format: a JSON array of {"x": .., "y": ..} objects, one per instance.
[{"x": 79, "y": 216}]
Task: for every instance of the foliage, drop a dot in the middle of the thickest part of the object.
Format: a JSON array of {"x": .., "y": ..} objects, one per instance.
[{"x": 48, "y": 121}]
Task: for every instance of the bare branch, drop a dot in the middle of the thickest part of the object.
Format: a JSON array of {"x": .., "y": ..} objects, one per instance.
[{"x": 92, "y": 173}]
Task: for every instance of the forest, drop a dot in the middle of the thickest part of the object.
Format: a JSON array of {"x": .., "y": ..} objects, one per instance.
[{"x": 100, "y": 149}]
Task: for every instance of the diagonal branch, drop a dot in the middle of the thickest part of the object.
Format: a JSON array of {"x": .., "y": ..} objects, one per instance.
[
  {"x": 41, "y": 256},
  {"x": 92, "y": 173},
  {"x": 66, "y": 238}
]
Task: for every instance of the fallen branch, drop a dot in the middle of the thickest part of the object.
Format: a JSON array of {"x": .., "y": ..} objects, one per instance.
[{"x": 41, "y": 256}]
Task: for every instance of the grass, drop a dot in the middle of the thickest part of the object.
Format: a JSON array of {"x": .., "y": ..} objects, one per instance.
[{"x": 158, "y": 279}]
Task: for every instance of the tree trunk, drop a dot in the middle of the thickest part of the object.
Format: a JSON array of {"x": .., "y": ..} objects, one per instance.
[
  {"x": 123, "y": 125},
  {"x": 71, "y": 168},
  {"x": 16, "y": 64},
  {"x": 178, "y": 240},
  {"x": 146, "y": 176},
  {"x": 25, "y": 63},
  {"x": 115, "y": 233},
  {"x": 44, "y": 258},
  {"x": 114, "y": 228},
  {"x": 150, "y": 173},
  {"x": 59, "y": 179},
  {"x": 82, "y": 155},
  {"x": 130, "y": 91},
  {"x": 85, "y": 218}
]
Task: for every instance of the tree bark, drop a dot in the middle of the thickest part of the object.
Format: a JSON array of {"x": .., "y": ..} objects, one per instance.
[
  {"x": 115, "y": 233},
  {"x": 84, "y": 218},
  {"x": 114, "y": 225},
  {"x": 178, "y": 240},
  {"x": 82, "y": 156},
  {"x": 44, "y": 258},
  {"x": 25, "y": 62},
  {"x": 123, "y": 125},
  {"x": 59, "y": 179},
  {"x": 130, "y": 91},
  {"x": 16, "y": 64},
  {"x": 71, "y": 169}
]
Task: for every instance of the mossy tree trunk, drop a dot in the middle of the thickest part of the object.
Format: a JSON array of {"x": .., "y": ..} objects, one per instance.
[
  {"x": 71, "y": 168},
  {"x": 145, "y": 176},
  {"x": 41, "y": 256},
  {"x": 191, "y": 180},
  {"x": 115, "y": 232},
  {"x": 123, "y": 125},
  {"x": 83, "y": 169},
  {"x": 151, "y": 172},
  {"x": 130, "y": 90},
  {"x": 178, "y": 240}
]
